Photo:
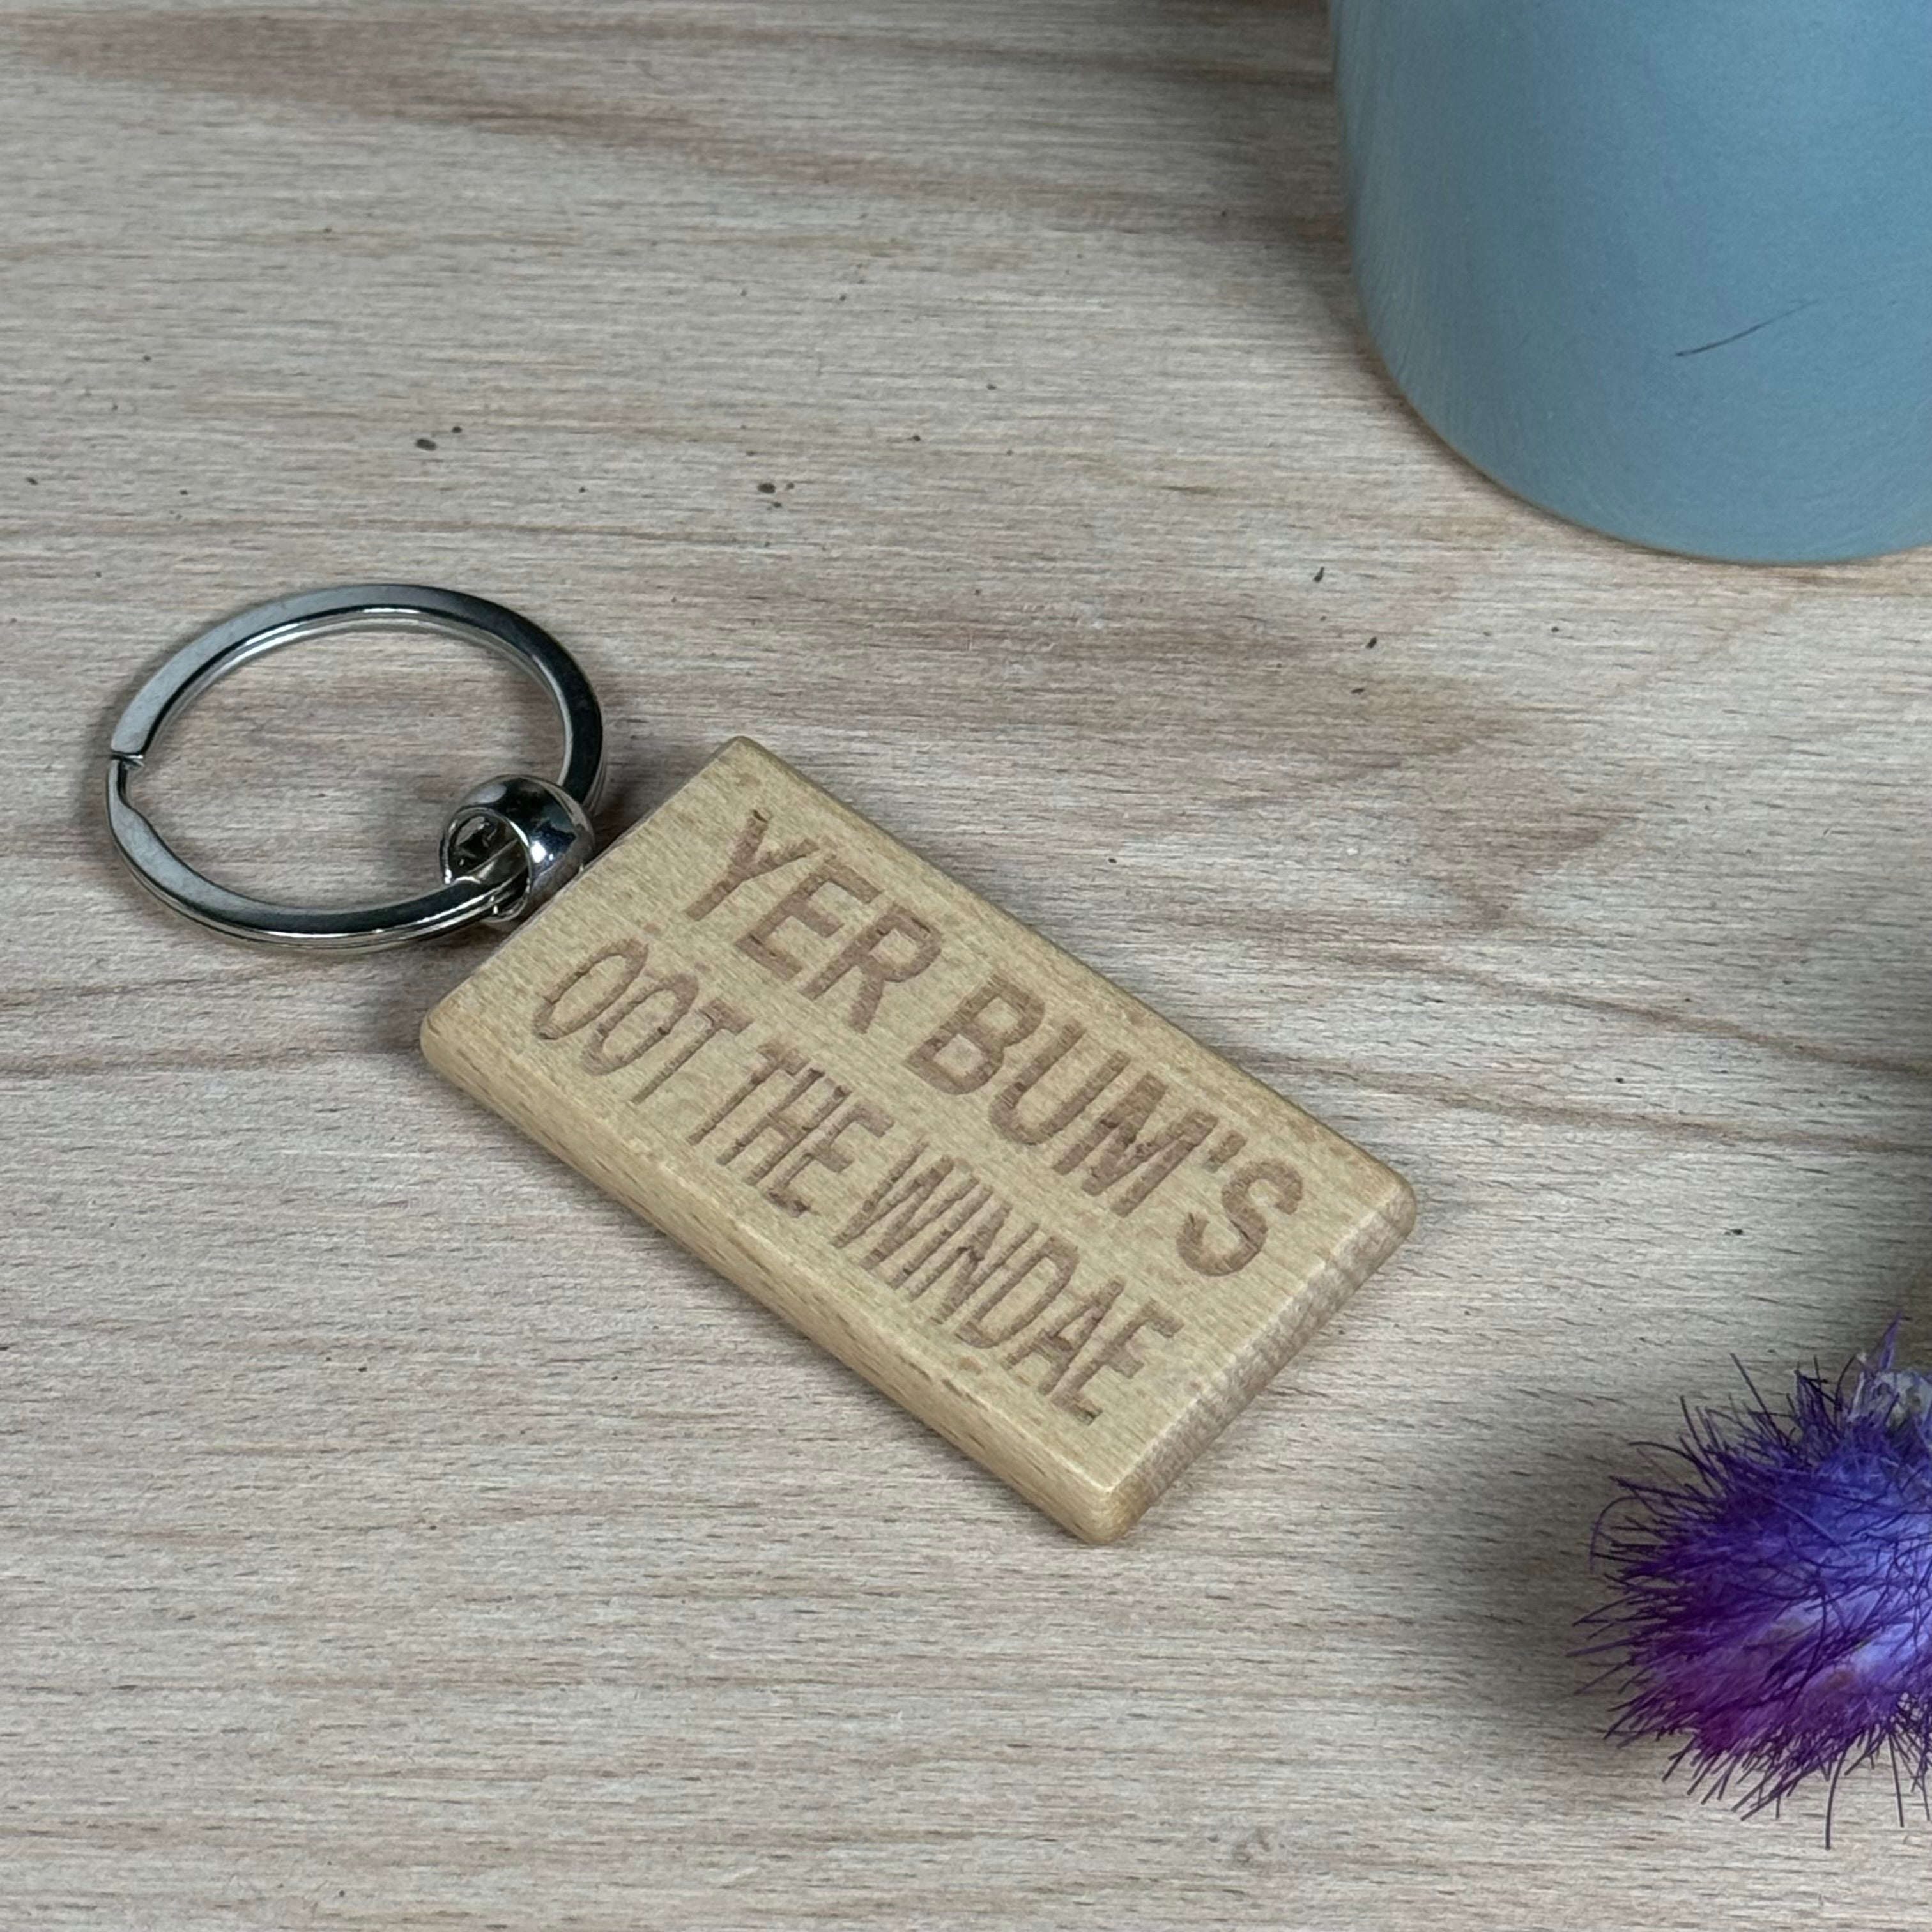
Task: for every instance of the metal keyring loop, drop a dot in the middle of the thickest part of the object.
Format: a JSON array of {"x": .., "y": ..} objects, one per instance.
[{"x": 497, "y": 885}]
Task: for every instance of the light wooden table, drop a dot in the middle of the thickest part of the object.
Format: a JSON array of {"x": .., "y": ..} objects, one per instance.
[{"x": 966, "y": 402}]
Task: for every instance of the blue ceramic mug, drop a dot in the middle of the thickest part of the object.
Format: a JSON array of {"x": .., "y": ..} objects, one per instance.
[{"x": 1662, "y": 266}]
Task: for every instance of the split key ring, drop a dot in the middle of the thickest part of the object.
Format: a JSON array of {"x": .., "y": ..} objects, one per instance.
[{"x": 507, "y": 847}]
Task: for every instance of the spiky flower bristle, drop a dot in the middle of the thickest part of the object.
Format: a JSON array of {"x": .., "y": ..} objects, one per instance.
[{"x": 1772, "y": 1588}]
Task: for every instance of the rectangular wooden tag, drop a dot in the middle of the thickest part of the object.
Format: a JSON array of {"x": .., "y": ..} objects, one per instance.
[{"x": 1055, "y": 1227}]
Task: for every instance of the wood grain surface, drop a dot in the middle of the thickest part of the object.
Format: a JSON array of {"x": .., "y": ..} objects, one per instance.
[{"x": 966, "y": 402}]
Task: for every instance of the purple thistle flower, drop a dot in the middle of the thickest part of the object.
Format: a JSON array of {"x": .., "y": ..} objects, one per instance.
[{"x": 1773, "y": 1588}]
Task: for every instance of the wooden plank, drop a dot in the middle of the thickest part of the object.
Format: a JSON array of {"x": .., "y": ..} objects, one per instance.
[
  {"x": 1051, "y": 1225},
  {"x": 396, "y": 1536}
]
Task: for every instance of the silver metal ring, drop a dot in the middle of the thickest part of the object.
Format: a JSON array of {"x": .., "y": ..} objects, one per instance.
[
  {"x": 543, "y": 820},
  {"x": 498, "y": 879}
]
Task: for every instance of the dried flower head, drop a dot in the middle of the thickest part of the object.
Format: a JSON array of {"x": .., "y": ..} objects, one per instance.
[{"x": 1773, "y": 1588}]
